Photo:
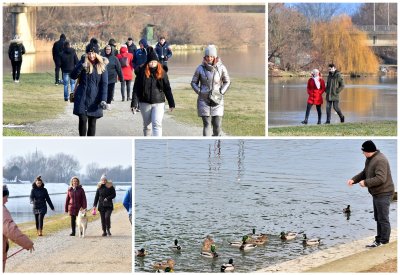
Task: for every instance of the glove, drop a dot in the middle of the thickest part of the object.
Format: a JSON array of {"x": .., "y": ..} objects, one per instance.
[
  {"x": 103, "y": 105},
  {"x": 83, "y": 57}
]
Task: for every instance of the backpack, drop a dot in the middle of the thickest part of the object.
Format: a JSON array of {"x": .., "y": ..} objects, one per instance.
[{"x": 124, "y": 61}]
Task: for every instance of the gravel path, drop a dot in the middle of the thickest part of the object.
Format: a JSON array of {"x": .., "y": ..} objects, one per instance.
[
  {"x": 119, "y": 121},
  {"x": 63, "y": 253}
]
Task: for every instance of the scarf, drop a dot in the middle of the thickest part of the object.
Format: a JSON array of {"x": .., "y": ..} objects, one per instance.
[{"x": 317, "y": 82}]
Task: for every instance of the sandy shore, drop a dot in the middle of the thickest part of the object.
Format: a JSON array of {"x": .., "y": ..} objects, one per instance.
[{"x": 350, "y": 257}]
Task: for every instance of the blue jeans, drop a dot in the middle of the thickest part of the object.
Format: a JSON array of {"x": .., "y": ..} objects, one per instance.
[{"x": 67, "y": 81}]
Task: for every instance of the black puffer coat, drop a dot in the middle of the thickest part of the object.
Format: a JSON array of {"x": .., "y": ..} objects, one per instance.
[
  {"x": 39, "y": 197},
  {"x": 69, "y": 59},
  {"x": 104, "y": 197}
]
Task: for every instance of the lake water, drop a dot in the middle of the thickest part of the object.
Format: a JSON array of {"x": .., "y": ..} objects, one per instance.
[
  {"x": 187, "y": 189},
  {"x": 239, "y": 62},
  {"x": 21, "y": 209},
  {"x": 363, "y": 99}
]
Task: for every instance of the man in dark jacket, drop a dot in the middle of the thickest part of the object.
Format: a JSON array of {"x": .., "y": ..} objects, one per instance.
[
  {"x": 68, "y": 61},
  {"x": 15, "y": 52},
  {"x": 377, "y": 177},
  {"x": 164, "y": 51},
  {"x": 131, "y": 46},
  {"x": 57, "y": 52},
  {"x": 334, "y": 85},
  {"x": 140, "y": 56}
]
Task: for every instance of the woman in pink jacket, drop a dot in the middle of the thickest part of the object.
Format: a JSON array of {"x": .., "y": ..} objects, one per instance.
[
  {"x": 315, "y": 89},
  {"x": 76, "y": 199},
  {"x": 11, "y": 231},
  {"x": 126, "y": 59}
]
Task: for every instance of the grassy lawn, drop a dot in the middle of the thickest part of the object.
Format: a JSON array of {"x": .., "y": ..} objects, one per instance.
[
  {"x": 33, "y": 99},
  {"x": 17, "y": 133},
  {"x": 378, "y": 128},
  {"x": 244, "y": 113},
  {"x": 56, "y": 223}
]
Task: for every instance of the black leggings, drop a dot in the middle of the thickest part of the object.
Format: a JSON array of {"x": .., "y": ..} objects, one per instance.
[
  {"x": 16, "y": 69},
  {"x": 87, "y": 125},
  {"x": 73, "y": 223},
  {"x": 39, "y": 221},
  {"x": 110, "y": 92},
  {"x": 105, "y": 219},
  {"x": 215, "y": 121},
  {"x": 309, "y": 105}
]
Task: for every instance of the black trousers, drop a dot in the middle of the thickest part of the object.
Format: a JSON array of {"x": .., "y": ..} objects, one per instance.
[
  {"x": 381, "y": 215},
  {"x": 39, "y": 221},
  {"x": 309, "y": 106},
  {"x": 87, "y": 125},
  {"x": 105, "y": 219},
  {"x": 16, "y": 69},
  {"x": 73, "y": 223},
  {"x": 110, "y": 92},
  {"x": 329, "y": 108},
  {"x": 57, "y": 70}
]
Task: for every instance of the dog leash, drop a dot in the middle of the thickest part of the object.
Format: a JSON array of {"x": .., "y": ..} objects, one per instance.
[{"x": 15, "y": 253}]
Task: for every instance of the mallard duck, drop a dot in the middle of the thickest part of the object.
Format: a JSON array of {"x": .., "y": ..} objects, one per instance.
[
  {"x": 176, "y": 247},
  {"x": 288, "y": 236},
  {"x": 347, "y": 210},
  {"x": 236, "y": 243},
  {"x": 262, "y": 239},
  {"x": 167, "y": 269},
  {"x": 253, "y": 234},
  {"x": 212, "y": 254},
  {"x": 229, "y": 267},
  {"x": 141, "y": 253},
  {"x": 311, "y": 242},
  {"x": 163, "y": 265},
  {"x": 245, "y": 245}
]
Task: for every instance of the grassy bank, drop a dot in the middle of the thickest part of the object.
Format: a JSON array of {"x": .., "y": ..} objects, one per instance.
[
  {"x": 55, "y": 223},
  {"x": 33, "y": 99},
  {"x": 244, "y": 113},
  {"x": 376, "y": 128}
]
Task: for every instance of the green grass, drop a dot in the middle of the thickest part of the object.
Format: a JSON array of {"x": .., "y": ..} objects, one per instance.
[
  {"x": 244, "y": 113},
  {"x": 17, "y": 133},
  {"x": 55, "y": 223},
  {"x": 377, "y": 128},
  {"x": 33, "y": 99}
]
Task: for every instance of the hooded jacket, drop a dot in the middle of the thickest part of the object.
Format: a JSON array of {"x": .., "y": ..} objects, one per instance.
[
  {"x": 76, "y": 198},
  {"x": 206, "y": 78},
  {"x": 127, "y": 70},
  {"x": 58, "y": 48},
  {"x": 39, "y": 196},
  {"x": 113, "y": 68},
  {"x": 315, "y": 94},
  {"x": 16, "y": 50},
  {"x": 140, "y": 54},
  {"x": 104, "y": 197},
  {"x": 92, "y": 89},
  {"x": 69, "y": 59},
  {"x": 164, "y": 52},
  {"x": 334, "y": 85}
]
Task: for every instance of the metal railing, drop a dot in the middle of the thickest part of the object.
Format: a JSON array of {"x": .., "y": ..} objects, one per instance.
[{"x": 379, "y": 28}]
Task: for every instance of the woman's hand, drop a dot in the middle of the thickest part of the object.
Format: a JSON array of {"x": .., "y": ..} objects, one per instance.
[{"x": 171, "y": 109}]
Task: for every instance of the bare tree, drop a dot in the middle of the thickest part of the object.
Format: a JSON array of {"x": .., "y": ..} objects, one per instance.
[{"x": 319, "y": 12}]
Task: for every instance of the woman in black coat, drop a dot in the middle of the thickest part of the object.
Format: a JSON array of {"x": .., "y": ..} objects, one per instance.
[
  {"x": 39, "y": 196},
  {"x": 15, "y": 52},
  {"x": 104, "y": 198},
  {"x": 114, "y": 70}
]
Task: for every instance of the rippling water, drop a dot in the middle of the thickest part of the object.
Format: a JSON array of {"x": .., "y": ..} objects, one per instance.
[{"x": 187, "y": 189}]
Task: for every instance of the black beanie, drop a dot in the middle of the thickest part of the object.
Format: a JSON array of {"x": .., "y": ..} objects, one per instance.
[
  {"x": 6, "y": 193},
  {"x": 62, "y": 36},
  {"x": 368, "y": 146},
  {"x": 112, "y": 42},
  {"x": 93, "y": 47},
  {"x": 151, "y": 55}
]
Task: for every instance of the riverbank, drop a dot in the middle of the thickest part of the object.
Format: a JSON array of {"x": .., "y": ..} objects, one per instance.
[
  {"x": 374, "y": 128},
  {"x": 349, "y": 257},
  {"x": 35, "y": 106},
  {"x": 59, "y": 252}
]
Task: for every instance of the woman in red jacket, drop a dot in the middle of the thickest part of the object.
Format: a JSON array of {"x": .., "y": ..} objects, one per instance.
[
  {"x": 126, "y": 59},
  {"x": 315, "y": 89},
  {"x": 76, "y": 199}
]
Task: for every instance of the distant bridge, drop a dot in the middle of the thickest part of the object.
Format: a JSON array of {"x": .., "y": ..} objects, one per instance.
[{"x": 380, "y": 35}]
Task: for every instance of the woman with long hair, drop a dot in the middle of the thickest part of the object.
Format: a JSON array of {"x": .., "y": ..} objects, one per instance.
[
  {"x": 76, "y": 199},
  {"x": 211, "y": 76},
  {"x": 39, "y": 196},
  {"x": 91, "y": 95},
  {"x": 150, "y": 89},
  {"x": 104, "y": 202}
]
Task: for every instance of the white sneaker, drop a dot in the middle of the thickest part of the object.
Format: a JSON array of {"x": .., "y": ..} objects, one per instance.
[
  {"x": 16, "y": 81},
  {"x": 108, "y": 107}
]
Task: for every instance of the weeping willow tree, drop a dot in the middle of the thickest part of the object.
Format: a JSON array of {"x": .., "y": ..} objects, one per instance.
[{"x": 339, "y": 42}]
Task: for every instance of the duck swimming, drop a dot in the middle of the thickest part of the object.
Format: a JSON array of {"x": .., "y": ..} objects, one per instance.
[
  {"x": 347, "y": 210},
  {"x": 176, "y": 247},
  {"x": 246, "y": 245},
  {"x": 311, "y": 242},
  {"x": 260, "y": 240},
  {"x": 208, "y": 254},
  {"x": 229, "y": 267},
  {"x": 162, "y": 266},
  {"x": 141, "y": 253},
  {"x": 288, "y": 236}
]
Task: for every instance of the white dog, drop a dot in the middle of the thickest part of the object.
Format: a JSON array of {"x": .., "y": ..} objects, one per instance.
[{"x": 82, "y": 222}]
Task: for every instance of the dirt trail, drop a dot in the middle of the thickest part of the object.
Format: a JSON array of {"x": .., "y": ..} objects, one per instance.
[
  {"x": 63, "y": 253},
  {"x": 119, "y": 121}
]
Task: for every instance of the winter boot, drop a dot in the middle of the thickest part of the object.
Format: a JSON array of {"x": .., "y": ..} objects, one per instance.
[
  {"x": 108, "y": 232},
  {"x": 40, "y": 232},
  {"x": 304, "y": 122},
  {"x": 342, "y": 119}
]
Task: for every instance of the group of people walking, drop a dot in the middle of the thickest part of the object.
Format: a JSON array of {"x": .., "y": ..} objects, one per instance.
[{"x": 315, "y": 89}]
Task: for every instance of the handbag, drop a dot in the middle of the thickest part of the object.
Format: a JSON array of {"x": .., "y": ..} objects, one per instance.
[
  {"x": 72, "y": 94},
  {"x": 215, "y": 97}
]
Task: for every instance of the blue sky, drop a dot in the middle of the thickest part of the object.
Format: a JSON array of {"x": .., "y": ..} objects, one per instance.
[{"x": 347, "y": 8}]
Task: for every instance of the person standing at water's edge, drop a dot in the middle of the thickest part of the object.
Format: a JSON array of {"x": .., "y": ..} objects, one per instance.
[
  {"x": 15, "y": 52},
  {"x": 377, "y": 177},
  {"x": 91, "y": 94},
  {"x": 57, "y": 51},
  {"x": 127, "y": 202},
  {"x": 104, "y": 198},
  {"x": 315, "y": 89},
  {"x": 334, "y": 85},
  {"x": 39, "y": 196},
  {"x": 11, "y": 230},
  {"x": 211, "y": 75},
  {"x": 76, "y": 199}
]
